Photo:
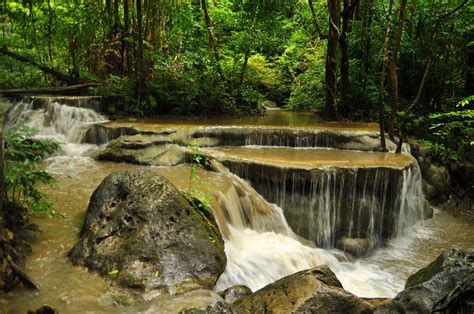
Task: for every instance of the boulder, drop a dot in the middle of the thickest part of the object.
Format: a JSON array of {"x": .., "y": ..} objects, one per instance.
[
  {"x": 235, "y": 293},
  {"x": 316, "y": 290},
  {"x": 446, "y": 285},
  {"x": 142, "y": 233},
  {"x": 354, "y": 246}
]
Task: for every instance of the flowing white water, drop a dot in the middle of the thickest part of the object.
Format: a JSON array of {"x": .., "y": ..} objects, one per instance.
[
  {"x": 263, "y": 250},
  {"x": 61, "y": 123},
  {"x": 259, "y": 244}
]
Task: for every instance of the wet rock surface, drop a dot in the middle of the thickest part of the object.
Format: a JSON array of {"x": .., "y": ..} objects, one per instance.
[
  {"x": 446, "y": 285},
  {"x": 140, "y": 232},
  {"x": 436, "y": 179},
  {"x": 315, "y": 290}
]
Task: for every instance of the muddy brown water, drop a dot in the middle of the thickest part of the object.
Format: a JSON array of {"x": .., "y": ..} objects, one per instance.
[{"x": 72, "y": 289}]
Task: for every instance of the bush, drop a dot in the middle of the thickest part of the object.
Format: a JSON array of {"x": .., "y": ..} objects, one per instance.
[{"x": 22, "y": 172}]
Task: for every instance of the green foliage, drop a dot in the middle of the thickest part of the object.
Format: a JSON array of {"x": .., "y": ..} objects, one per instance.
[
  {"x": 23, "y": 175},
  {"x": 452, "y": 133},
  {"x": 198, "y": 190}
]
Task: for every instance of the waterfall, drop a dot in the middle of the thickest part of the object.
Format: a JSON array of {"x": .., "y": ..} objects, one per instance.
[
  {"x": 62, "y": 123},
  {"x": 261, "y": 247},
  {"x": 324, "y": 205}
]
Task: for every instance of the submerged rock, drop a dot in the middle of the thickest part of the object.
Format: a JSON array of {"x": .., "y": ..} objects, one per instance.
[
  {"x": 446, "y": 285},
  {"x": 141, "y": 232},
  {"x": 354, "y": 246},
  {"x": 235, "y": 293},
  {"x": 316, "y": 290}
]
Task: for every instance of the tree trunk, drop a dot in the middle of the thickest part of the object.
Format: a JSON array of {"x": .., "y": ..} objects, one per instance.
[
  {"x": 140, "y": 65},
  {"x": 347, "y": 15},
  {"x": 382, "y": 77},
  {"x": 60, "y": 76},
  {"x": 33, "y": 22},
  {"x": 50, "y": 32},
  {"x": 429, "y": 62},
  {"x": 393, "y": 70},
  {"x": 331, "y": 60},
  {"x": 124, "y": 50},
  {"x": 211, "y": 38},
  {"x": 316, "y": 23},
  {"x": 5, "y": 14}
]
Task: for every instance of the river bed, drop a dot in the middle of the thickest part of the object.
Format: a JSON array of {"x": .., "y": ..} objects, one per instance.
[{"x": 72, "y": 289}]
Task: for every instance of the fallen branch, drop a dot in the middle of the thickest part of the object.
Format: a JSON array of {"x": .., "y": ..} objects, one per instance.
[
  {"x": 49, "y": 70},
  {"x": 80, "y": 89}
]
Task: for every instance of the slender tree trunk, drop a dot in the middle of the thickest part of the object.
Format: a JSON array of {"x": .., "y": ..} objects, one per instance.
[
  {"x": 242, "y": 77},
  {"x": 140, "y": 64},
  {"x": 5, "y": 14},
  {"x": 60, "y": 76},
  {"x": 393, "y": 70},
  {"x": 33, "y": 22},
  {"x": 124, "y": 50},
  {"x": 429, "y": 62},
  {"x": 316, "y": 23},
  {"x": 211, "y": 37},
  {"x": 50, "y": 32},
  {"x": 331, "y": 60},
  {"x": 347, "y": 15},
  {"x": 382, "y": 76},
  {"x": 367, "y": 26}
]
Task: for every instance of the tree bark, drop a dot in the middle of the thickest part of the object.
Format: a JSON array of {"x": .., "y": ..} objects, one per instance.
[
  {"x": 347, "y": 15},
  {"x": 50, "y": 32},
  {"x": 140, "y": 64},
  {"x": 212, "y": 42},
  {"x": 33, "y": 22},
  {"x": 57, "y": 74},
  {"x": 316, "y": 23},
  {"x": 429, "y": 62},
  {"x": 5, "y": 14},
  {"x": 124, "y": 50},
  {"x": 331, "y": 60},
  {"x": 393, "y": 70},
  {"x": 382, "y": 77}
]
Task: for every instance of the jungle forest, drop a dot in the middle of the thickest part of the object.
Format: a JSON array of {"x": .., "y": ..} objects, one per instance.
[{"x": 236, "y": 156}]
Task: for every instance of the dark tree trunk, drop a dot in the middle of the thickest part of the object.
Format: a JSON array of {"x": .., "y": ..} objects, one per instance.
[
  {"x": 382, "y": 77},
  {"x": 429, "y": 62},
  {"x": 212, "y": 42},
  {"x": 316, "y": 23},
  {"x": 331, "y": 60},
  {"x": 57, "y": 74},
  {"x": 347, "y": 14},
  {"x": 5, "y": 14},
  {"x": 140, "y": 62},
  {"x": 124, "y": 50},
  {"x": 50, "y": 32},
  {"x": 33, "y": 22},
  {"x": 393, "y": 70}
]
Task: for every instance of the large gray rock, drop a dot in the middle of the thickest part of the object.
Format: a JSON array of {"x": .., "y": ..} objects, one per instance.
[
  {"x": 315, "y": 290},
  {"x": 436, "y": 287},
  {"x": 141, "y": 232}
]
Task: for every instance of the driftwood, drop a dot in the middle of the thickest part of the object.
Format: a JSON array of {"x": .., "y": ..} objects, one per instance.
[
  {"x": 80, "y": 89},
  {"x": 49, "y": 70}
]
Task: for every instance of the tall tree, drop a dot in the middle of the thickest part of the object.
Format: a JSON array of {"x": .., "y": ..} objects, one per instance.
[
  {"x": 140, "y": 67},
  {"x": 331, "y": 60},
  {"x": 212, "y": 41},
  {"x": 347, "y": 15},
  {"x": 393, "y": 69},
  {"x": 382, "y": 76}
]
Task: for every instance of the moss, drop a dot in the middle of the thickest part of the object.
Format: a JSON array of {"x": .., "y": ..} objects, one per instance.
[{"x": 426, "y": 273}]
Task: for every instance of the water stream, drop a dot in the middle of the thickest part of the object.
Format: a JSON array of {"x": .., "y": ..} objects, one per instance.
[{"x": 260, "y": 245}]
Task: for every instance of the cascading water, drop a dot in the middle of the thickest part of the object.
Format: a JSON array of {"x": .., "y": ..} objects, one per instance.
[
  {"x": 261, "y": 247},
  {"x": 326, "y": 204},
  {"x": 62, "y": 123}
]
